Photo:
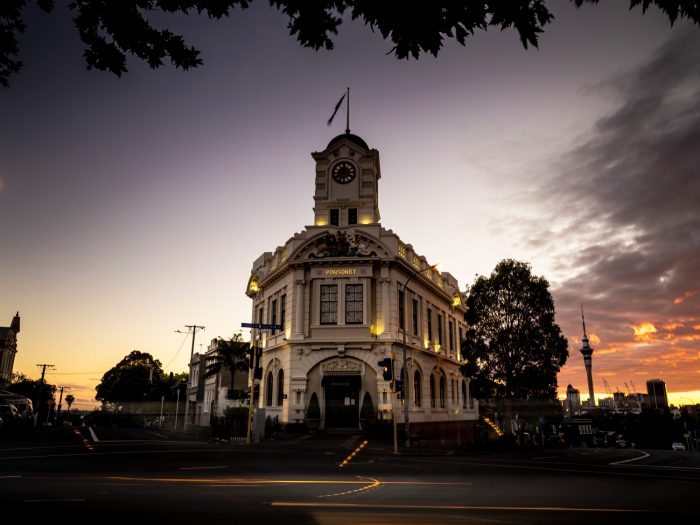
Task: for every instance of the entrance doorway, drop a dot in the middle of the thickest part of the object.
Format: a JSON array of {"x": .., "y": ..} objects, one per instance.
[{"x": 342, "y": 400}]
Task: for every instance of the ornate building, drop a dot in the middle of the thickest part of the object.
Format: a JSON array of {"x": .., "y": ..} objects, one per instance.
[
  {"x": 8, "y": 349},
  {"x": 337, "y": 290}
]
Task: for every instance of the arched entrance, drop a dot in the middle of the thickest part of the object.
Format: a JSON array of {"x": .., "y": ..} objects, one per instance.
[{"x": 342, "y": 396}]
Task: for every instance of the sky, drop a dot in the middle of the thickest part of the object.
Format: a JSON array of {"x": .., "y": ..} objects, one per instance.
[{"x": 131, "y": 207}]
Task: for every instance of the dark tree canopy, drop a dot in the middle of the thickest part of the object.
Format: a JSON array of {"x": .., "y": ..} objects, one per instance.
[
  {"x": 29, "y": 388},
  {"x": 128, "y": 381},
  {"x": 513, "y": 348},
  {"x": 111, "y": 29},
  {"x": 230, "y": 355}
]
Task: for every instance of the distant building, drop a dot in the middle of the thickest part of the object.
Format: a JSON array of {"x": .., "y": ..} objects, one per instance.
[
  {"x": 656, "y": 388},
  {"x": 8, "y": 349},
  {"x": 573, "y": 396}
]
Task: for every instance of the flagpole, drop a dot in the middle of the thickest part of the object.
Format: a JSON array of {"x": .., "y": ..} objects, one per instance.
[{"x": 347, "y": 115}]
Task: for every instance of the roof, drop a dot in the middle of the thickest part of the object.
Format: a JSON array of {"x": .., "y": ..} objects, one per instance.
[{"x": 352, "y": 138}]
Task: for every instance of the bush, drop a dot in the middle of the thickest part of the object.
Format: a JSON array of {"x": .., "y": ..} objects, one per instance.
[
  {"x": 314, "y": 410},
  {"x": 367, "y": 410}
]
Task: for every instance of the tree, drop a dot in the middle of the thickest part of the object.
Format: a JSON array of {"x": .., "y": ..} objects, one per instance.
[
  {"x": 112, "y": 28},
  {"x": 129, "y": 382},
  {"x": 29, "y": 388},
  {"x": 70, "y": 399},
  {"x": 230, "y": 355},
  {"x": 513, "y": 348}
]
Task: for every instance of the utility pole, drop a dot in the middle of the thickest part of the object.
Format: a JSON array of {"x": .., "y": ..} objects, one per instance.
[
  {"x": 194, "y": 329},
  {"x": 252, "y": 387},
  {"x": 41, "y": 385},
  {"x": 60, "y": 399}
]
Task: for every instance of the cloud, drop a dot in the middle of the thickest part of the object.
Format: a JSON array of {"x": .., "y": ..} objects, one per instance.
[{"x": 618, "y": 222}]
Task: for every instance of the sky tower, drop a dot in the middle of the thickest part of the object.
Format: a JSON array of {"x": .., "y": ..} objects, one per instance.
[{"x": 587, "y": 352}]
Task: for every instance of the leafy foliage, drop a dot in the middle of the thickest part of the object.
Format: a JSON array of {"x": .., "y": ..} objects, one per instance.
[
  {"x": 230, "y": 355},
  {"x": 29, "y": 388},
  {"x": 367, "y": 410},
  {"x": 70, "y": 399},
  {"x": 112, "y": 28},
  {"x": 513, "y": 347},
  {"x": 314, "y": 410},
  {"x": 128, "y": 382}
]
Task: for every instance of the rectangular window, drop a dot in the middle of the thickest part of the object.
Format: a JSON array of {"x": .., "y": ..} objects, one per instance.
[
  {"x": 283, "y": 311},
  {"x": 452, "y": 336},
  {"x": 273, "y": 315},
  {"x": 415, "y": 317},
  {"x": 260, "y": 316},
  {"x": 401, "y": 312},
  {"x": 460, "y": 336},
  {"x": 353, "y": 304},
  {"x": 430, "y": 325},
  {"x": 352, "y": 216},
  {"x": 329, "y": 304},
  {"x": 440, "y": 329},
  {"x": 335, "y": 217}
]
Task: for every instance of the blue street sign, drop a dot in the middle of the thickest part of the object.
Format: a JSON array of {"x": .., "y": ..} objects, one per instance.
[{"x": 262, "y": 326}]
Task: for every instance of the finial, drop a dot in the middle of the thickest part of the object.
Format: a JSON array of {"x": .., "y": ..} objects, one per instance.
[{"x": 347, "y": 115}]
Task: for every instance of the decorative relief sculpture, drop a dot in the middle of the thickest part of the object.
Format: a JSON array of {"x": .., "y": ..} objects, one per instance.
[
  {"x": 341, "y": 365},
  {"x": 342, "y": 245}
]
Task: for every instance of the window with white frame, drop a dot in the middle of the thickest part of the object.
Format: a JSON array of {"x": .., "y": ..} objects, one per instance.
[{"x": 329, "y": 304}]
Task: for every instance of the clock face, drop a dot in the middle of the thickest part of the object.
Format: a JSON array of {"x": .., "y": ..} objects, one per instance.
[{"x": 343, "y": 172}]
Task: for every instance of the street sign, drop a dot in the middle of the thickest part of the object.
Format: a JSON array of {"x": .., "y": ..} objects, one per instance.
[{"x": 262, "y": 326}]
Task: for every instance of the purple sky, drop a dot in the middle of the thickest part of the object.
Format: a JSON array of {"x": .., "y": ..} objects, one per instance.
[{"x": 131, "y": 207}]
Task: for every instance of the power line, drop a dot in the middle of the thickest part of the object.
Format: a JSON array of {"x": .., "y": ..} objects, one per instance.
[{"x": 178, "y": 351}]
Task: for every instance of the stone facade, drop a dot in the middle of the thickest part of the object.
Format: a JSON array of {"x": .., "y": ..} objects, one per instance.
[
  {"x": 337, "y": 288},
  {"x": 8, "y": 349}
]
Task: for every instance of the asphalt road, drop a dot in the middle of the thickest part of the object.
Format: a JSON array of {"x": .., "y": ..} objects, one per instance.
[{"x": 143, "y": 475}]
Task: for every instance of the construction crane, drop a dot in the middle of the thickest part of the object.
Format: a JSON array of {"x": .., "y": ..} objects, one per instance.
[{"x": 609, "y": 391}]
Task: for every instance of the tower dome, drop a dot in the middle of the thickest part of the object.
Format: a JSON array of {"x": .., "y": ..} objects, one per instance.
[{"x": 352, "y": 138}]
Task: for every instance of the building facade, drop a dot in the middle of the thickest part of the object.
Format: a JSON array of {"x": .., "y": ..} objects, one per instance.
[
  {"x": 8, "y": 349},
  {"x": 337, "y": 290},
  {"x": 656, "y": 389}
]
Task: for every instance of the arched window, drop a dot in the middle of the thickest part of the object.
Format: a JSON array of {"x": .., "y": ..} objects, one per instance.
[
  {"x": 416, "y": 388},
  {"x": 442, "y": 392},
  {"x": 464, "y": 394},
  {"x": 269, "y": 390},
  {"x": 432, "y": 390},
  {"x": 280, "y": 388},
  {"x": 453, "y": 391}
]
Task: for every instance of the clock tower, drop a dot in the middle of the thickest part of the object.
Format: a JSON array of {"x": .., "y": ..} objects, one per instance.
[{"x": 347, "y": 175}]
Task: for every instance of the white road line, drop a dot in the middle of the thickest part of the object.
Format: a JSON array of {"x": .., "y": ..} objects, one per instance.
[
  {"x": 629, "y": 460},
  {"x": 201, "y": 468},
  {"x": 5, "y": 477},
  {"x": 546, "y": 457},
  {"x": 92, "y": 433}
]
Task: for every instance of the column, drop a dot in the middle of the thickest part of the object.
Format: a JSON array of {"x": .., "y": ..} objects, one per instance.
[
  {"x": 385, "y": 307},
  {"x": 299, "y": 320}
]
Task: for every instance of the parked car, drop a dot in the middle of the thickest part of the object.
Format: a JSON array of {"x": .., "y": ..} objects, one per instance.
[
  {"x": 10, "y": 415},
  {"x": 677, "y": 446}
]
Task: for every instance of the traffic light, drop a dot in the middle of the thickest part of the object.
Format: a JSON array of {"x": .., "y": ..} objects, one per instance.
[
  {"x": 399, "y": 386},
  {"x": 387, "y": 368}
]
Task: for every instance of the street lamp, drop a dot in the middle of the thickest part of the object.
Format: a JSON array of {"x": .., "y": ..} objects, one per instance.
[{"x": 404, "y": 376}]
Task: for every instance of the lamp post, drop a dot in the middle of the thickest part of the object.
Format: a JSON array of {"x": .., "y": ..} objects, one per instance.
[{"x": 404, "y": 376}]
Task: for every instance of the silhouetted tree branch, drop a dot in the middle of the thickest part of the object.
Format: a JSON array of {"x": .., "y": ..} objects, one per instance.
[{"x": 112, "y": 28}]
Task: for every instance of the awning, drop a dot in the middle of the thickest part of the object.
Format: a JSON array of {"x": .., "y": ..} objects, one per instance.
[{"x": 341, "y": 379}]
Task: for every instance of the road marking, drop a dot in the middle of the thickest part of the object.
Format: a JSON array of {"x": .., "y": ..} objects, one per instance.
[
  {"x": 49, "y": 500},
  {"x": 633, "y": 459},
  {"x": 546, "y": 457},
  {"x": 353, "y": 454},
  {"x": 219, "y": 451},
  {"x": 448, "y": 507},
  {"x": 5, "y": 477},
  {"x": 348, "y": 444},
  {"x": 578, "y": 471},
  {"x": 201, "y": 468},
  {"x": 369, "y": 486},
  {"x": 92, "y": 433}
]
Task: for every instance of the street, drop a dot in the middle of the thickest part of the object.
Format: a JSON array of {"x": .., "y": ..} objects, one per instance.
[{"x": 141, "y": 475}]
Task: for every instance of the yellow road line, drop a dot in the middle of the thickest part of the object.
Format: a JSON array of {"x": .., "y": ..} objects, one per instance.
[{"x": 353, "y": 454}]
